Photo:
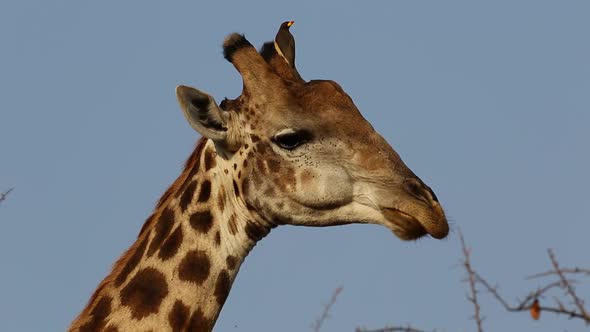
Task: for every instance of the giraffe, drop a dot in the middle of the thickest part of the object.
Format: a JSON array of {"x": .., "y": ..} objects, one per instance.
[{"x": 285, "y": 151}]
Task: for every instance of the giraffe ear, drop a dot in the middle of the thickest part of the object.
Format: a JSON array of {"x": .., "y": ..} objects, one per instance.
[{"x": 202, "y": 113}]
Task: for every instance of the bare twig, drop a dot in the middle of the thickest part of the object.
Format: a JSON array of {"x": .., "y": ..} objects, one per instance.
[
  {"x": 575, "y": 270},
  {"x": 471, "y": 278},
  {"x": 4, "y": 194},
  {"x": 317, "y": 325},
  {"x": 390, "y": 329},
  {"x": 531, "y": 302},
  {"x": 527, "y": 303},
  {"x": 569, "y": 288}
]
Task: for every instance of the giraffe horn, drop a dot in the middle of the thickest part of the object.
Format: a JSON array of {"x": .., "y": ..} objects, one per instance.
[
  {"x": 256, "y": 74},
  {"x": 278, "y": 64}
]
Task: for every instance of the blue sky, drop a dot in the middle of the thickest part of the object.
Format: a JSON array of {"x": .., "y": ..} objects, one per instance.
[{"x": 489, "y": 103}]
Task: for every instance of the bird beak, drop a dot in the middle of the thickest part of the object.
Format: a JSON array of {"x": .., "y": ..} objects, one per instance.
[{"x": 290, "y": 23}]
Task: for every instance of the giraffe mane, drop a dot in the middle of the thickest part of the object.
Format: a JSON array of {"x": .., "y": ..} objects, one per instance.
[{"x": 191, "y": 166}]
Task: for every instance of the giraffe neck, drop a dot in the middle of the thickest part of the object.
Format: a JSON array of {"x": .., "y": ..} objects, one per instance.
[{"x": 179, "y": 272}]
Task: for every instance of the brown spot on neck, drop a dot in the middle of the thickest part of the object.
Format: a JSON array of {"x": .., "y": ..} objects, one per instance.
[
  {"x": 256, "y": 231},
  {"x": 147, "y": 224},
  {"x": 145, "y": 292},
  {"x": 222, "y": 287},
  {"x": 236, "y": 189},
  {"x": 205, "y": 191},
  {"x": 217, "y": 238},
  {"x": 232, "y": 225},
  {"x": 178, "y": 316},
  {"x": 231, "y": 262},
  {"x": 191, "y": 167},
  {"x": 194, "y": 267},
  {"x": 162, "y": 229},
  {"x": 187, "y": 195},
  {"x": 199, "y": 323},
  {"x": 131, "y": 262},
  {"x": 170, "y": 247},
  {"x": 99, "y": 313},
  {"x": 201, "y": 221},
  {"x": 221, "y": 200}
]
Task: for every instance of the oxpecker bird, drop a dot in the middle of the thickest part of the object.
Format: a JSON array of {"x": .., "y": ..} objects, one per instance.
[{"x": 285, "y": 43}]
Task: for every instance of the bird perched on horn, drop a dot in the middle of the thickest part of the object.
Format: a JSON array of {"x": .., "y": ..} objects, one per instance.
[
  {"x": 285, "y": 43},
  {"x": 280, "y": 54}
]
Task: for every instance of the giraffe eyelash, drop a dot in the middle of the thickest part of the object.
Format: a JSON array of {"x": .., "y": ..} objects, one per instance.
[{"x": 290, "y": 139}]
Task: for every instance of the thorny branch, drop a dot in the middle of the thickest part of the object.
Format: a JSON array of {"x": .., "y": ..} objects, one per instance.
[
  {"x": 569, "y": 288},
  {"x": 529, "y": 300},
  {"x": 529, "y": 303},
  {"x": 575, "y": 270},
  {"x": 5, "y": 194},
  {"x": 472, "y": 279},
  {"x": 317, "y": 325}
]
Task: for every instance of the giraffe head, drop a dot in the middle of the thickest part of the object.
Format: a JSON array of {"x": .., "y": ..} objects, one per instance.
[{"x": 301, "y": 153}]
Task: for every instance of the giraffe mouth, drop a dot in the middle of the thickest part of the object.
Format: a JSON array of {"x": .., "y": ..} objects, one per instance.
[{"x": 408, "y": 227}]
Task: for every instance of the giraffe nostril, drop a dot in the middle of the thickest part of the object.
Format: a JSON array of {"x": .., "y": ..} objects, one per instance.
[
  {"x": 432, "y": 194},
  {"x": 421, "y": 191}
]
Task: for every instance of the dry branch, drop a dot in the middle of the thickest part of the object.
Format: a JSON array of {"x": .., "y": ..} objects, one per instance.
[
  {"x": 5, "y": 194},
  {"x": 526, "y": 304},
  {"x": 472, "y": 279},
  {"x": 569, "y": 288},
  {"x": 317, "y": 325},
  {"x": 530, "y": 303},
  {"x": 575, "y": 270},
  {"x": 531, "y": 300}
]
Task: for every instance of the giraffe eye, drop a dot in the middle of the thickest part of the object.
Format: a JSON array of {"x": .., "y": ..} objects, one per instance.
[{"x": 291, "y": 139}]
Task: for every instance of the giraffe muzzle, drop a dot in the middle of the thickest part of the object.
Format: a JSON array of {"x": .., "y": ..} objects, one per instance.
[
  {"x": 420, "y": 214},
  {"x": 407, "y": 227}
]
